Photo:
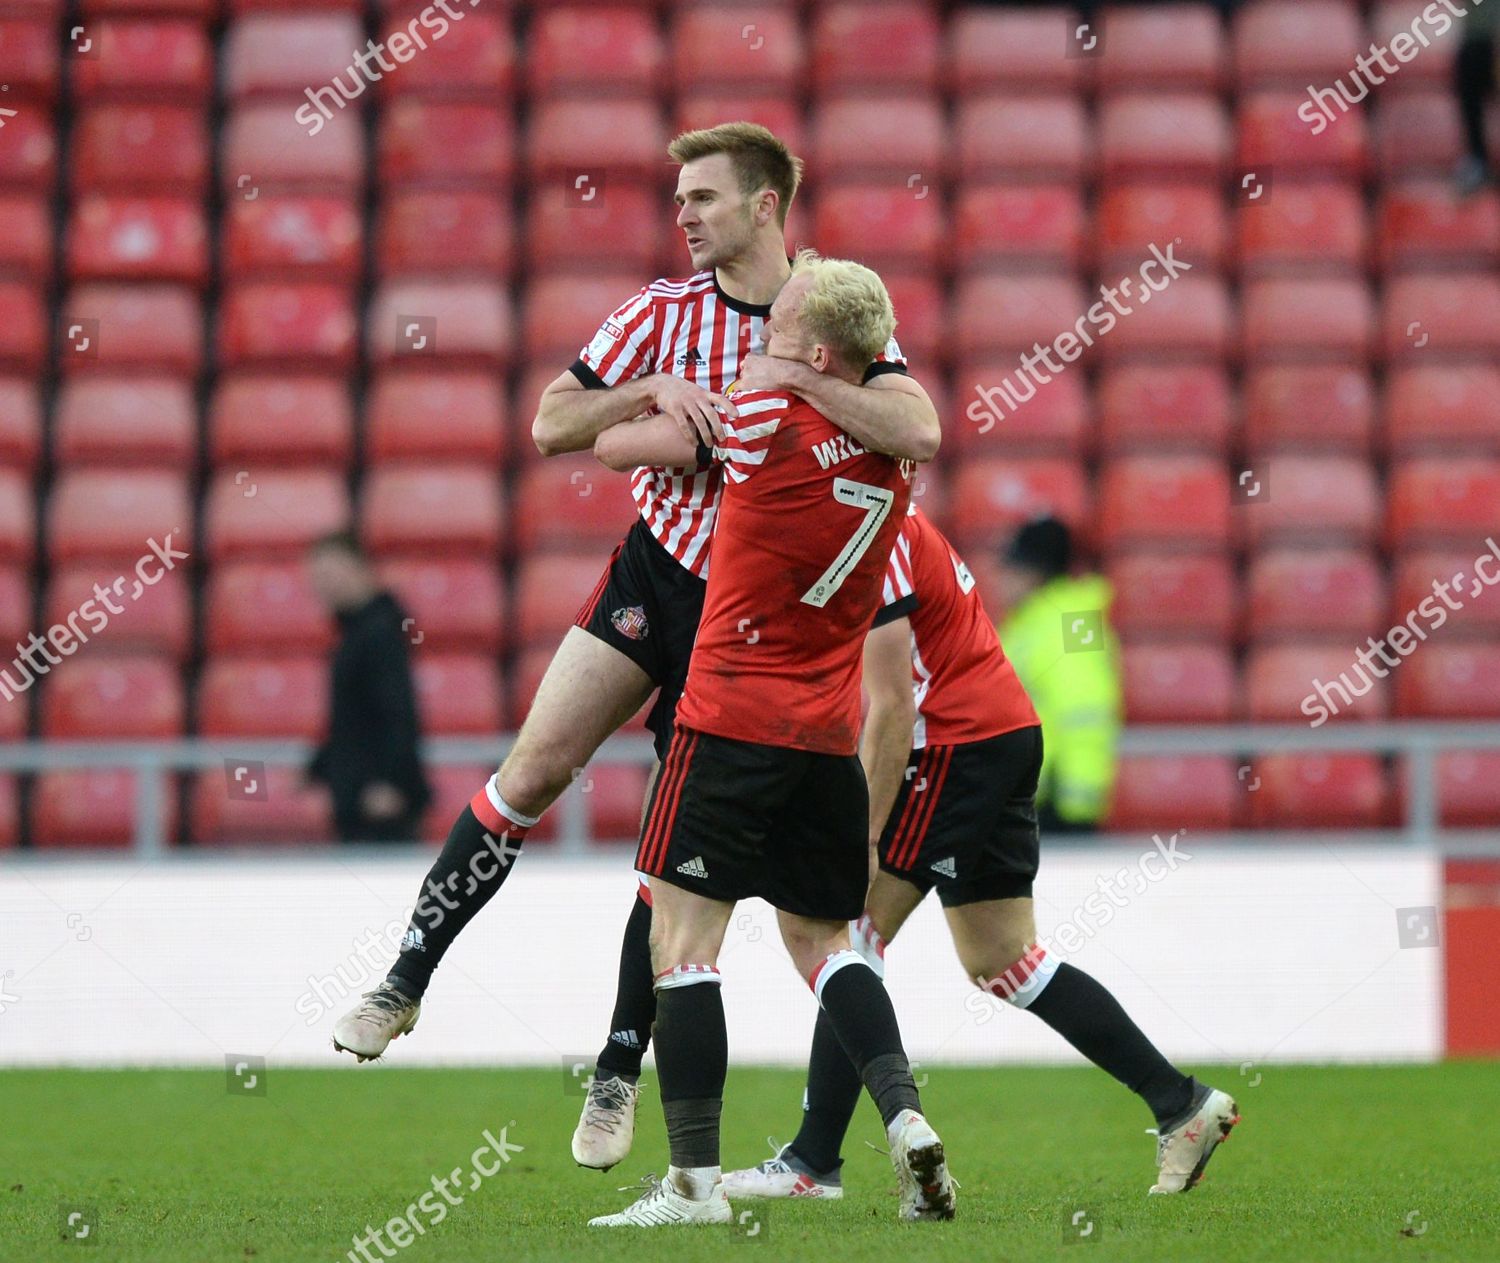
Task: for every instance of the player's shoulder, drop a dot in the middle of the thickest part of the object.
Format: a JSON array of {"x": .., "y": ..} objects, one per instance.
[{"x": 678, "y": 288}]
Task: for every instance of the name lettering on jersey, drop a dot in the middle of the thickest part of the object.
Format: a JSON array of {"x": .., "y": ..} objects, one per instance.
[{"x": 835, "y": 451}]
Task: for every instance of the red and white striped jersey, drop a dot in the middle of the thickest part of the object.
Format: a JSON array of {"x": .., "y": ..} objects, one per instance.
[
  {"x": 965, "y": 687},
  {"x": 693, "y": 329}
]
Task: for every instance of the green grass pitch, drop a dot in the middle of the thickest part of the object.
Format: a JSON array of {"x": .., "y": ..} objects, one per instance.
[{"x": 1330, "y": 1163}]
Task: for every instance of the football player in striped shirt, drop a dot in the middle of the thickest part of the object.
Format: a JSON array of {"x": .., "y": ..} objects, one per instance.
[
  {"x": 952, "y": 749},
  {"x": 761, "y": 793}
]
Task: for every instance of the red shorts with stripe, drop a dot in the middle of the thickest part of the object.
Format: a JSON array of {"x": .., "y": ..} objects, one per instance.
[
  {"x": 733, "y": 820},
  {"x": 965, "y": 819}
]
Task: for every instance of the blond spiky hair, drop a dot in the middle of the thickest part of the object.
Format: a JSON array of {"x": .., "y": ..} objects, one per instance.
[
  {"x": 760, "y": 160},
  {"x": 847, "y": 308}
]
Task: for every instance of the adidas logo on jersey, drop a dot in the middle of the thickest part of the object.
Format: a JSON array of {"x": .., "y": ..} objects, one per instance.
[
  {"x": 628, "y": 1038},
  {"x": 693, "y": 867},
  {"x": 690, "y": 358},
  {"x": 945, "y": 868},
  {"x": 411, "y": 941}
]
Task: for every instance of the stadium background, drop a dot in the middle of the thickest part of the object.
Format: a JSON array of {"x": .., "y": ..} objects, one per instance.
[{"x": 215, "y": 325}]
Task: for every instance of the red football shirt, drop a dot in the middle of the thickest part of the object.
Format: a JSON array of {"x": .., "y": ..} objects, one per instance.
[
  {"x": 805, "y": 529},
  {"x": 966, "y": 689}
]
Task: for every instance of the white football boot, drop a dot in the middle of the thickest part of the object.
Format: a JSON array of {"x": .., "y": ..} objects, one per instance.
[
  {"x": 1183, "y": 1150},
  {"x": 917, "y": 1155},
  {"x": 776, "y": 1177},
  {"x": 661, "y": 1205},
  {"x": 383, "y": 1015},
  {"x": 604, "y": 1132}
]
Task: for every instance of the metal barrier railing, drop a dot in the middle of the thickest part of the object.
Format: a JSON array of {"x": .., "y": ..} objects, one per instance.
[{"x": 1419, "y": 744}]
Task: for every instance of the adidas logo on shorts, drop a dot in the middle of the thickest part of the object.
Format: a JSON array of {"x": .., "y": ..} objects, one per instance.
[
  {"x": 693, "y": 867},
  {"x": 945, "y": 868},
  {"x": 629, "y": 1038}
]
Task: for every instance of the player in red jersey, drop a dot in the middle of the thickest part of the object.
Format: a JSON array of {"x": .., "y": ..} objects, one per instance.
[
  {"x": 956, "y": 811},
  {"x": 673, "y": 348},
  {"x": 761, "y": 793}
]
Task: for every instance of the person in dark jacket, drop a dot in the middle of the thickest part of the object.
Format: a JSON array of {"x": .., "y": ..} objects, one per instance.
[{"x": 370, "y": 760}]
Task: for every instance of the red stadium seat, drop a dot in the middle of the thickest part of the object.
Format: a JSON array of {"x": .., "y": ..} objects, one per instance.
[
  {"x": 1310, "y": 500},
  {"x": 1304, "y": 227},
  {"x": 141, "y": 59},
  {"x": 1450, "y": 681},
  {"x": 587, "y": 49},
  {"x": 264, "y": 607},
  {"x": 23, "y": 328},
  {"x": 993, "y": 48},
  {"x": 475, "y": 57},
  {"x": 1006, "y": 223},
  {"x": 1179, "y": 684},
  {"x": 612, "y": 798},
  {"x": 126, "y": 421},
  {"x": 1443, "y": 408},
  {"x": 1425, "y": 223},
  {"x": 158, "y": 618},
  {"x": 459, "y": 606},
  {"x": 26, "y": 248},
  {"x": 1308, "y": 407},
  {"x": 20, "y": 423},
  {"x": 460, "y": 323},
  {"x": 709, "y": 105},
  {"x": 922, "y": 320},
  {"x": 17, "y": 518},
  {"x": 1320, "y": 791},
  {"x": 15, "y": 622},
  {"x": 114, "y": 697},
  {"x": 990, "y": 498},
  {"x": 549, "y": 592},
  {"x": 1433, "y": 64},
  {"x": 1276, "y": 135},
  {"x": 103, "y": 514},
  {"x": 271, "y": 514},
  {"x": 1163, "y": 793},
  {"x": 561, "y": 313},
  {"x": 1191, "y": 318},
  {"x": 462, "y": 143},
  {"x": 237, "y": 7},
  {"x": 28, "y": 159},
  {"x": 874, "y": 44},
  {"x": 89, "y": 807},
  {"x": 1417, "y": 133},
  {"x": 1055, "y": 421},
  {"x": 1035, "y": 138},
  {"x": 1133, "y": 217},
  {"x": 432, "y": 232},
  {"x": 1286, "y": 319},
  {"x": 1163, "y": 135},
  {"x": 1000, "y": 312},
  {"x": 1145, "y": 407},
  {"x": 256, "y": 420},
  {"x": 882, "y": 224},
  {"x": 417, "y": 413},
  {"x": 900, "y": 139},
  {"x": 1442, "y": 315},
  {"x": 298, "y": 237},
  {"x": 570, "y": 504},
  {"x": 1469, "y": 788},
  {"x": 155, "y": 328},
  {"x": 265, "y": 149},
  {"x": 282, "y": 324},
  {"x": 458, "y": 694},
  {"x": 115, "y": 238},
  {"x": 1287, "y": 43},
  {"x": 282, "y": 54},
  {"x": 263, "y": 697},
  {"x": 1164, "y": 502},
  {"x": 1161, "y": 46},
  {"x": 749, "y": 46},
  {"x": 10, "y": 810},
  {"x": 452, "y": 788},
  {"x": 624, "y": 137},
  {"x": 290, "y": 812},
  {"x": 1298, "y": 594},
  {"x": 1434, "y": 501},
  {"x": 204, "y": 10},
  {"x": 30, "y": 50},
  {"x": 1413, "y": 582},
  {"x": 623, "y": 227},
  {"x": 433, "y": 509},
  {"x": 140, "y": 148},
  {"x": 1172, "y": 597},
  {"x": 1320, "y": 683}
]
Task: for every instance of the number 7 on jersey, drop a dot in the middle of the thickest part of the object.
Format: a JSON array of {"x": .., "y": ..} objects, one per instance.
[{"x": 876, "y": 502}]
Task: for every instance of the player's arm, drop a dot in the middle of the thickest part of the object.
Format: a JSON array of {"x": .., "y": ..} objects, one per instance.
[
  {"x": 570, "y": 416},
  {"x": 653, "y": 440},
  {"x": 885, "y": 742}
]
